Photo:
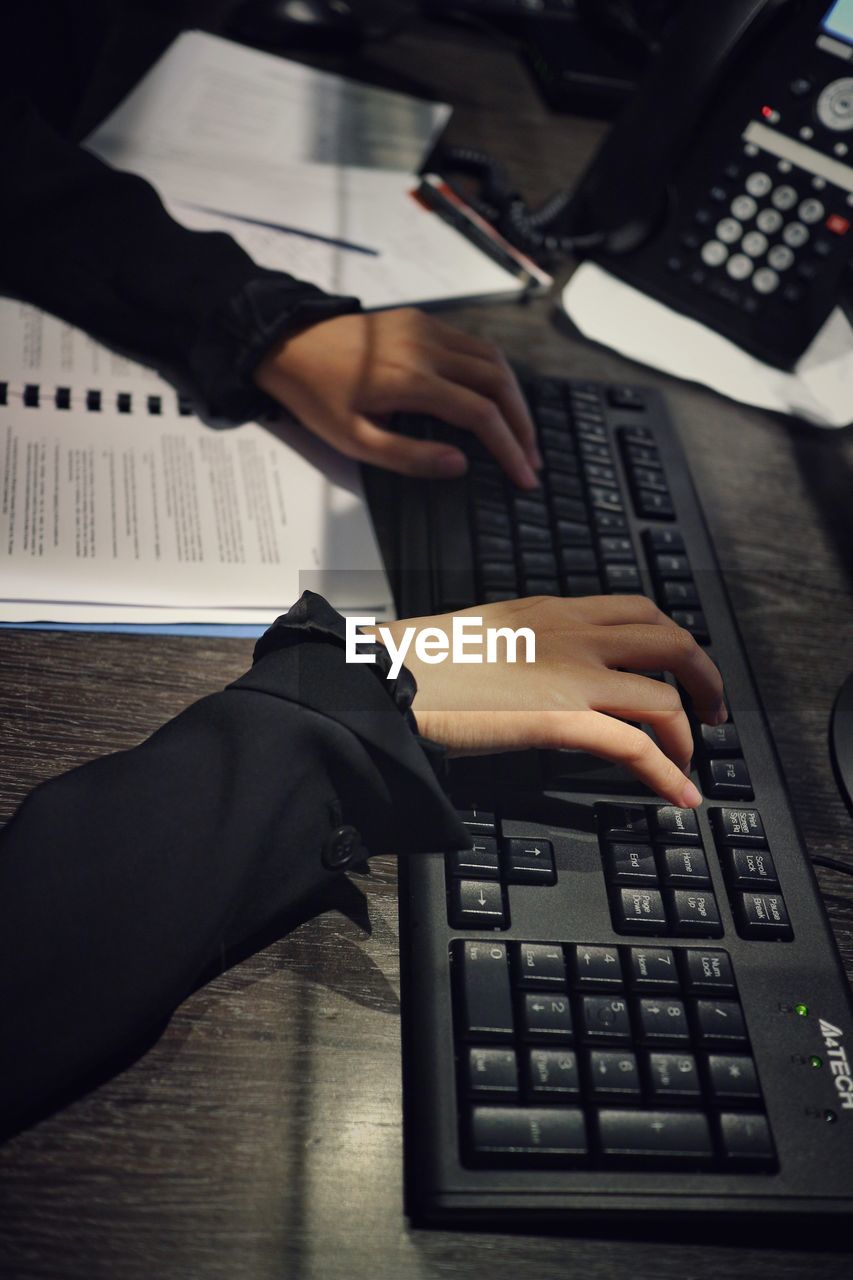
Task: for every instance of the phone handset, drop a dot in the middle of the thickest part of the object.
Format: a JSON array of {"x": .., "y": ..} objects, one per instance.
[{"x": 623, "y": 196}]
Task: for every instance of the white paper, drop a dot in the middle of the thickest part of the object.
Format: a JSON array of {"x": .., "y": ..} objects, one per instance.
[
  {"x": 423, "y": 260},
  {"x": 130, "y": 510},
  {"x": 150, "y": 616},
  {"x": 820, "y": 390},
  {"x": 36, "y": 347},
  {"x": 249, "y": 111}
]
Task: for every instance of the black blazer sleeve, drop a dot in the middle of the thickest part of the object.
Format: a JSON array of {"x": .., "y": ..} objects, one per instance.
[
  {"x": 96, "y": 247},
  {"x": 123, "y": 882}
]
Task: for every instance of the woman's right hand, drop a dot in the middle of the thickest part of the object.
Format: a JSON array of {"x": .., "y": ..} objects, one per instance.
[{"x": 579, "y": 693}]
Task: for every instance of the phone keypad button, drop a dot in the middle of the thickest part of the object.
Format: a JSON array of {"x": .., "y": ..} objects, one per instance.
[
  {"x": 769, "y": 221},
  {"x": 811, "y": 210},
  {"x": 739, "y": 266},
  {"x": 714, "y": 254},
  {"x": 780, "y": 257},
  {"x": 765, "y": 280},
  {"x": 729, "y": 230},
  {"x": 795, "y": 235},
  {"x": 784, "y": 197},
  {"x": 755, "y": 244},
  {"x": 744, "y": 208},
  {"x": 759, "y": 184}
]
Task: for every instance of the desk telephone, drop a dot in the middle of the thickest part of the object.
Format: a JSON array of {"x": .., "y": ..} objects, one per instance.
[{"x": 726, "y": 189}]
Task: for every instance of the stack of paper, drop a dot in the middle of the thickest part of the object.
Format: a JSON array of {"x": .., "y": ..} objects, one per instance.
[
  {"x": 279, "y": 148},
  {"x": 121, "y": 509}
]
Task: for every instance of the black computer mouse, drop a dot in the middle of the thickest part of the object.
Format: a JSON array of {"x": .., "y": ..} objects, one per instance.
[{"x": 292, "y": 24}]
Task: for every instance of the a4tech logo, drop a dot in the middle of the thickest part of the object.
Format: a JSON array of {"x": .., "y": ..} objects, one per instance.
[{"x": 838, "y": 1063}]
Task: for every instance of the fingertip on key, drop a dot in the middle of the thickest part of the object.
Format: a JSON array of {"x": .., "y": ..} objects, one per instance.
[{"x": 691, "y": 796}]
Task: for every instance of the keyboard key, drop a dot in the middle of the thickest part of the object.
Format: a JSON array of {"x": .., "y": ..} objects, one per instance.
[
  {"x": 569, "y": 486},
  {"x": 541, "y": 587},
  {"x": 489, "y": 521},
  {"x": 738, "y": 826},
  {"x": 541, "y": 965},
  {"x": 719, "y": 739},
  {"x": 604, "y": 498},
  {"x": 720, "y": 1022},
  {"x": 662, "y": 1020},
  {"x": 638, "y": 911},
  {"x": 599, "y": 473},
  {"x": 623, "y": 578},
  {"x": 625, "y": 822},
  {"x": 485, "y": 1001},
  {"x": 679, "y": 595},
  {"x": 478, "y": 821},
  {"x": 596, "y": 968},
  {"x": 569, "y": 509},
  {"x": 528, "y": 1132},
  {"x": 595, "y": 451},
  {"x": 653, "y": 969},
  {"x": 605, "y": 1018},
  {"x": 615, "y": 550},
  {"x": 679, "y": 1137},
  {"x": 674, "y": 826},
  {"x": 630, "y": 864},
  {"x": 649, "y": 478},
  {"x": 733, "y": 1078},
  {"x": 626, "y": 398},
  {"x": 673, "y": 1075},
  {"x": 560, "y": 460},
  {"x": 613, "y": 1074},
  {"x": 479, "y": 862},
  {"x": 651, "y": 505},
  {"x": 707, "y": 971},
  {"x": 609, "y": 522},
  {"x": 684, "y": 866},
  {"x": 581, "y": 584},
  {"x": 664, "y": 540},
  {"x": 670, "y": 565},
  {"x": 762, "y": 915},
  {"x": 573, "y": 533},
  {"x": 492, "y": 1072},
  {"x": 727, "y": 780},
  {"x": 578, "y": 560},
  {"x": 552, "y": 1074},
  {"x": 745, "y": 1139},
  {"x": 694, "y": 913},
  {"x": 477, "y": 904},
  {"x": 539, "y": 562},
  {"x": 497, "y": 574},
  {"x": 529, "y": 862},
  {"x": 547, "y": 1016},
  {"x": 534, "y": 536},
  {"x": 749, "y": 869},
  {"x": 492, "y": 547},
  {"x": 532, "y": 510}
]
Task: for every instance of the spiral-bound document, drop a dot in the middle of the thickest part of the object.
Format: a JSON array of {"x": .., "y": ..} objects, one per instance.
[{"x": 118, "y": 504}]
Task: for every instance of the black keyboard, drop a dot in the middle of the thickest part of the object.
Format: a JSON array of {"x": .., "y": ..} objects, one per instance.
[{"x": 612, "y": 1008}]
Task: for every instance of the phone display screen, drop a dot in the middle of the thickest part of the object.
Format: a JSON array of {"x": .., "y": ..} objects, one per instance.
[{"x": 838, "y": 21}]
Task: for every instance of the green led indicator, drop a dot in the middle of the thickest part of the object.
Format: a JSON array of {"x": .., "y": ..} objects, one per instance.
[
  {"x": 815, "y": 1061},
  {"x": 802, "y": 1010}
]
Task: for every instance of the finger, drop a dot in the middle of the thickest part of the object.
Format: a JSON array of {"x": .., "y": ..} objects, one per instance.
[
  {"x": 656, "y": 648},
  {"x": 473, "y": 412},
  {"x": 585, "y": 731},
  {"x": 497, "y": 381},
  {"x": 618, "y": 611},
  {"x": 651, "y": 702},
  {"x": 422, "y": 458}
]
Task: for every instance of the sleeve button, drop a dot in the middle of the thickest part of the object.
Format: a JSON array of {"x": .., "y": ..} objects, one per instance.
[{"x": 342, "y": 847}]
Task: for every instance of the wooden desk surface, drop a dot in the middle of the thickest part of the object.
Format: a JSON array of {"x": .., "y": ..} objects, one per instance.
[{"x": 261, "y": 1136}]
